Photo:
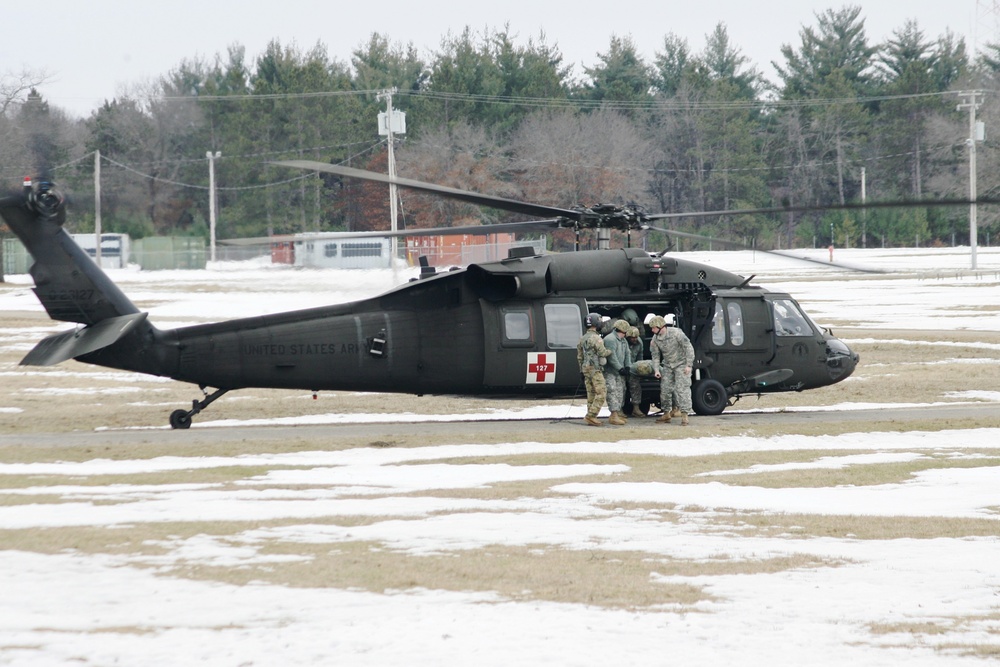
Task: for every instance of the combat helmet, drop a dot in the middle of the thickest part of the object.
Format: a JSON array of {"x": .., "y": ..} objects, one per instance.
[
  {"x": 630, "y": 316},
  {"x": 592, "y": 320},
  {"x": 622, "y": 325}
]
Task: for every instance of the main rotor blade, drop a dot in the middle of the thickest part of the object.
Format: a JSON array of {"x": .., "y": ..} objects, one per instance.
[
  {"x": 744, "y": 246},
  {"x": 472, "y": 230},
  {"x": 906, "y": 203},
  {"x": 501, "y": 203}
]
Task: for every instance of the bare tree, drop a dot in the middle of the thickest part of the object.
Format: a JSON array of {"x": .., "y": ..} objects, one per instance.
[
  {"x": 565, "y": 158},
  {"x": 14, "y": 86},
  {"x": 14, "y": 89},
  {"x": 461, "y": 156}
]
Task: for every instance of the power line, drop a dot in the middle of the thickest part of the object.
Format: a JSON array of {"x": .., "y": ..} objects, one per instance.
[{"x": 649, "y": 103}]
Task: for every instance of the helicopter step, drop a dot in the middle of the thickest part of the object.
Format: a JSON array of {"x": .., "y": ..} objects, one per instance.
[{"x": 182, "y": 418}]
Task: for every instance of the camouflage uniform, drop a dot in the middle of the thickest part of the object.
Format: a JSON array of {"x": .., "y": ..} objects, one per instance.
[
  {"x": 590, "y": 353},
  {"x": 672, "y": 351},
  {"x": 618, "y": 359},
  {"x": 636, "y": 353}
]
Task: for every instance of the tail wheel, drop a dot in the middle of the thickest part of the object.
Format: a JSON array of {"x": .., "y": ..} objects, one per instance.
[
  {"x": 180, "y": 419},
  {"x": 708, "y": 397}
]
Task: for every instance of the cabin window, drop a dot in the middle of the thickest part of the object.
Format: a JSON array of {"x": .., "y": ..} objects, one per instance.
[
  {"x": 563, "y": 324},
  {"x": 735, "y": 312},
  {"x": 719, "y": 325},
  {"x": 517, "y": 325},
  {"x": 330, "y": 250},
  {"x": 789, "y": 320}
]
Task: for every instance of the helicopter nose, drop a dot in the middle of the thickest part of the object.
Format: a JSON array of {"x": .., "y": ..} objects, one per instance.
[{"x": 840, "y": 359}]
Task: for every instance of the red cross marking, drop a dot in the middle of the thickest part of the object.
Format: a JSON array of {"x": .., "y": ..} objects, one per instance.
[{"x": 541, "y": 368}]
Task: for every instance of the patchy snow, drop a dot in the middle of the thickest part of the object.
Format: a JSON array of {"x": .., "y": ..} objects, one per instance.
[
  {"x": 79, "y": 608},
  {"x": 102, "y": 609}
]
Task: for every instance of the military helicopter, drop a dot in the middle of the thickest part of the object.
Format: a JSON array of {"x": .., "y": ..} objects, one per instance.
[{"x": 503, "y": 328}]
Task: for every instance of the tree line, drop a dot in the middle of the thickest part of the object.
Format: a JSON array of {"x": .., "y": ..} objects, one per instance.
[{"x": 682, "y": 131}]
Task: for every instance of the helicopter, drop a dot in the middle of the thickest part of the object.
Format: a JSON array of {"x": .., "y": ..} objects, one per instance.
[{"x": 506, "y": 328}]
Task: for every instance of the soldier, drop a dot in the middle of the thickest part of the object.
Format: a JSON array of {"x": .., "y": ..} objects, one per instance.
[
  {"x": 630, "y": 316},
  {"x": 592, "y": 355},
  {"x": 636, "y": 352},
  {"x": 616, "y": 370},
  {"x": 672, "y": 407},
  {"x": 673, "y": 359}
]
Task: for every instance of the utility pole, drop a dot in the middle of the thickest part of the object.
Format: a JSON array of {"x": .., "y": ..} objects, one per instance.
[
  {"x": 972, "y": 104},
  {"x": 389, "y": 123},
  {"x": 864, "y": 211},
  {"x": 211, "y": 199},
  {"x": 97, "y": 205}
]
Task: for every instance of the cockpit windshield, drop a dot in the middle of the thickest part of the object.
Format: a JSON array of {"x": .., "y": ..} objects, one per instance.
[{"x": 789, "y": 320}]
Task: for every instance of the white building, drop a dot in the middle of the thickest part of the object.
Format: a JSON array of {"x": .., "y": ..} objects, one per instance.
[
  {"x": 115, "y": 249},
  {"x": 329, "y": 252}
]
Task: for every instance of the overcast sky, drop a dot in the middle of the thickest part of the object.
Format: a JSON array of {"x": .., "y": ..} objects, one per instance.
[{"x": 93, "y": 49}]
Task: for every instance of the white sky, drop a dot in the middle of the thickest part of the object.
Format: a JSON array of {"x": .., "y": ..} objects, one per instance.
[{"x": 92, "y": 49}]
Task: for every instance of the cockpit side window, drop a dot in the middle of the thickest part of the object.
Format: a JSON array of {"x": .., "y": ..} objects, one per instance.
[
  {"x": 719, "y": 325},
  {"x": 789, "y": 320},
  {"x": 728, "y": 319},
  {"x": 735, "y": 312}
]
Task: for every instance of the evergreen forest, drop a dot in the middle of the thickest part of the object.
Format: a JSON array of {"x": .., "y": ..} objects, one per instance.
[{"x": 672, "y": 131}]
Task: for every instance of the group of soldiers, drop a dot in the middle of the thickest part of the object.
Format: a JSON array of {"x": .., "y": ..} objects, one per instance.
[{"x": 610, "y": 355}]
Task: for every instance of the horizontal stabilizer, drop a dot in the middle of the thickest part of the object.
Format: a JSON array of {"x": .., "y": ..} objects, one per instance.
[{"x": 70, "y": 344}]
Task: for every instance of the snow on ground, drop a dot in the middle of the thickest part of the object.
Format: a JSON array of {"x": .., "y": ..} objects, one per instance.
[
  {"x": 71, "y": 608},
  {"x": 75, "y": 608}
]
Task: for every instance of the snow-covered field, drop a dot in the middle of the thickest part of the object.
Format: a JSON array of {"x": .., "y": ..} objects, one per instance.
[{"x": 927, "y": 596}]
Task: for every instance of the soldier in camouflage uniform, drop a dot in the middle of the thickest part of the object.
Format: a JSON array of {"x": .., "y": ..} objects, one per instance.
[
  {"x": 592, "y": 355},
  {"x": 636, "y": 352},
  {"x": 673, "y": 359},
  {"x": 616, "y": 370}
]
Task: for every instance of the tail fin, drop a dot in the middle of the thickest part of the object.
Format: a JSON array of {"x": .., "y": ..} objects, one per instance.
[{"x": 71, "y": 287}]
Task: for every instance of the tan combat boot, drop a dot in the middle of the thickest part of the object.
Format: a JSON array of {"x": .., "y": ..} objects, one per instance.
[
  {"x": 676, "y": 412},
  {"x": 684, "y": 419},
  {"x": 592, "y": 421},
  {"x": 637, "y": 411},
  {"x": 616, "y": 420},
  {"x": 664, "y": 418},
  {"x": 621, "y": 415}
]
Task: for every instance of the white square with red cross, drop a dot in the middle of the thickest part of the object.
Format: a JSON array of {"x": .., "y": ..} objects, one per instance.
[{"x": 541, "y": 368}]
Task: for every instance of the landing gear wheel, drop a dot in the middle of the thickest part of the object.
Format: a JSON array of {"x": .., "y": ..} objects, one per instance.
[
  {"x": 180, "y": 419},
  {"x": 709, "y": 397}
]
